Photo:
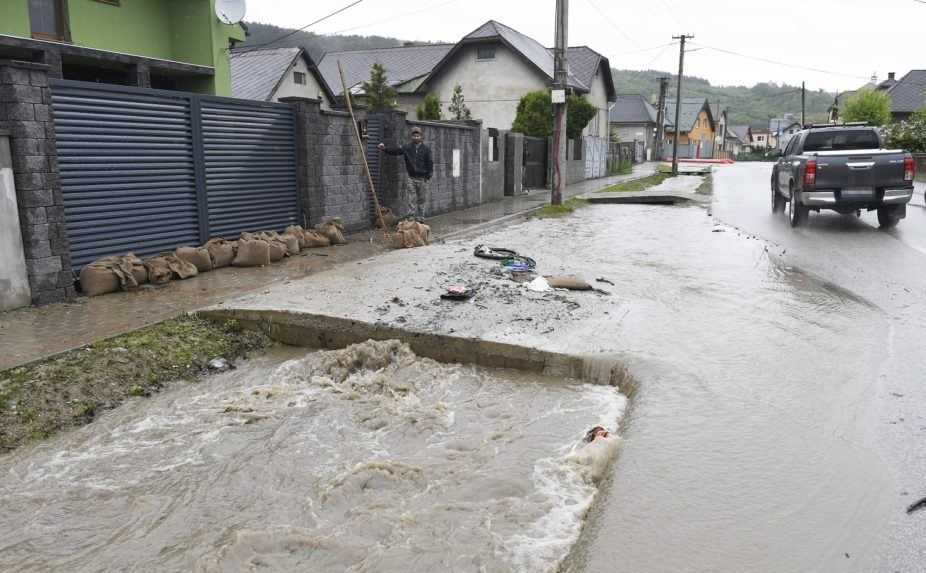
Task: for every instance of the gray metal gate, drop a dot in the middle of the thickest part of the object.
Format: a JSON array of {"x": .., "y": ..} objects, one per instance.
[
  {"x": 145, "y": 171},
  {"x": 535, "y": 162}
]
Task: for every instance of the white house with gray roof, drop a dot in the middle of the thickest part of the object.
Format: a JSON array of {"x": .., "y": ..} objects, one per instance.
[
  {"x": 272, "y": 74},
  {"x": 633, "y": 118},
  {"x": 496, "y": 65}
]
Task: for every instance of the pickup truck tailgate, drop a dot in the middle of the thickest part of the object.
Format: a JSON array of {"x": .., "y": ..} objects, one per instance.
[{"x": 860, "y": 171}]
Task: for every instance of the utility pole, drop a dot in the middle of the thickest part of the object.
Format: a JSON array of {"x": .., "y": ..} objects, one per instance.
[
  {"x": 560, "y": 80},
  {"x": 661, "y": 119},
  {"x": 678, "y": 99},
  {"x": 803, "y": 103}
]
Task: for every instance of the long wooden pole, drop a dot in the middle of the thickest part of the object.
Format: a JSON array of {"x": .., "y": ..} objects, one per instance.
[{"x": 363, "y": 153}]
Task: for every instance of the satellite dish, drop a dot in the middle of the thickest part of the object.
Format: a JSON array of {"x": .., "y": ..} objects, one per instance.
[{"x": 230, "y": 11}]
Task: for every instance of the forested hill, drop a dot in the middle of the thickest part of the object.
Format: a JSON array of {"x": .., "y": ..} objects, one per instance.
[
  {"x": 315, "y": 44},
  {"x": 745, "y": 106}
]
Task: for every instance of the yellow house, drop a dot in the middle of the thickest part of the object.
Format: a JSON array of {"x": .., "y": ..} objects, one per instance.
[{"x": 697, "y": 128}]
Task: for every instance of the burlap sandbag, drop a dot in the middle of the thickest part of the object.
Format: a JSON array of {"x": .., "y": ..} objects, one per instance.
[
  {"x": 334, "y": 230},
  {"x": 221, "y": 252},
  {"x": 292, "y": 242},
  {"x": 159, "y": 272},
  {"x": 314, "y": 239},
  {"x": 568, "y": 282},
  {"x": 110, "y": 274},
  {"x": 98, "y": 278},
  {"x": 278, "y": 248},
  {"x": 410, "y": 234},
  {"x": 388, "y": 218},
  {"x": 139, "y": 272},
  {"x": 252, "y": 253},
  {"x": 298, "y": 232},
  {"x": 197, "y": 256}
]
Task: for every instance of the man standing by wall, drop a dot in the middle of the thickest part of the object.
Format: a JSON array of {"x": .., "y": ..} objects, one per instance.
[{"x": 420, "y": 167}]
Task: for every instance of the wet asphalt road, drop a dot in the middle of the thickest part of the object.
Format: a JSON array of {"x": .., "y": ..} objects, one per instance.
[{"x": 888, "y": 270}]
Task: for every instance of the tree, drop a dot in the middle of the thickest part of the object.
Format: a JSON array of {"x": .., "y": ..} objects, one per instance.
[
  {"x": 535, "y": 115},
  {"x": 909, "y": 135},
  {"x": 578, "y": 113},
  {"x": 458, "y": 109},
  {"x": 380, "y": 95},
  {"x": 429, "y": 109},
  {"x": 868, "y": 105}
]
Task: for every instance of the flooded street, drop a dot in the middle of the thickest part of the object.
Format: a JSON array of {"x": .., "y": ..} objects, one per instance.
[
  {"x": 776, "y": 424},
  {"x": 366, "y": 459}
]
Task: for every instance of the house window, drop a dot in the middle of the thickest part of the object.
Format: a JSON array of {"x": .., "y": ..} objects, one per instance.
[
  {"x": 299, "y": 78},
  {"x": 48, "y": 20},
  {"x": 485, "y": 53}
]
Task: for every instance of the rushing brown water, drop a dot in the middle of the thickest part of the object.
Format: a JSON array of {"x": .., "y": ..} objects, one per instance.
[{"x": 366, "y": 459}]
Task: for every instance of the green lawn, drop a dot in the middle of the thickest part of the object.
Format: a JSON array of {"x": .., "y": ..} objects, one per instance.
[
  {"x": 566, "y": 208},
  {"x": 637, "y": 184}
]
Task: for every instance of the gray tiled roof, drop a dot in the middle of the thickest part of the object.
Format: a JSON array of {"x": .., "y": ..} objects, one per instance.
[
  {"x": 741, "y": 132},
  {"x": 909, "y": 94},
  {"x": 402, "y": 64},
  {"x": 528, "y": 47},
  {"x": 691, "y": 107},
  {"x": 255, "y": 73},
  {"x": 632, "y": 108}
]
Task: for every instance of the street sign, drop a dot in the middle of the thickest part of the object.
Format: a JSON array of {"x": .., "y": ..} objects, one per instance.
[{"x": 559, "y": 96}]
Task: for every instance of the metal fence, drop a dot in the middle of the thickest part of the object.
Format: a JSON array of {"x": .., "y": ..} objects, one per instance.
[{"x": 145, "y": 170}]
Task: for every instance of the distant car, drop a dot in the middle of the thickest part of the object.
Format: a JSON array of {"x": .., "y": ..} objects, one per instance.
[{"x": 844, "y": 168}]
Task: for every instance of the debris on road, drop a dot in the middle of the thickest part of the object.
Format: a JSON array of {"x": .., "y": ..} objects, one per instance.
[
  {"x": 568, "y": 282},
  {"x": 539, "y": 284},
  {"x": 921, "y": 504},
  {"x": 494, "y": 253},
  {"x": 219, "y": 364},
  {"x": 605, "y": 281},
  {"x": 458, "y": 292},
  {"x": 519, "y": 263}
]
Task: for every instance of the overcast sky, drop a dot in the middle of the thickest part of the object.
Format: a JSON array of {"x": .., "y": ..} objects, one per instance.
[{"x": 849, "y": 39}]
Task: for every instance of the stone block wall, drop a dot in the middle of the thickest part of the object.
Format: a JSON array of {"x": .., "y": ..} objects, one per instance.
[
  {"x": 25, "y": 111},
  {"x": 342, "y": 175},
  {"x": 493, "y": 172},
  {"x": 449, "y": 192}
]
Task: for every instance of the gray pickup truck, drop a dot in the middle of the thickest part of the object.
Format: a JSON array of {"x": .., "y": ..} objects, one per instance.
[{"x": 843, "y": 168}]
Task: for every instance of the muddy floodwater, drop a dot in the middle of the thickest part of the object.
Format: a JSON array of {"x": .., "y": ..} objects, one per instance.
[{"x": 364, "y": 459}]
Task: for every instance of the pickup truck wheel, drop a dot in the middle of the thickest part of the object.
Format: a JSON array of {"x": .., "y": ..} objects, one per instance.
[
  {"x": 888, "y": 217},
  {"x": 778, "y": 202},
  {"x": 797, "y": 213}
]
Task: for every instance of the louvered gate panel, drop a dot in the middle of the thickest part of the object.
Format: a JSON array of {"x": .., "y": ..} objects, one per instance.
[
  {"x": 250, "y": 166},
  {"x": 127, "y": 172},
  {"x": 374, "y": 157}
]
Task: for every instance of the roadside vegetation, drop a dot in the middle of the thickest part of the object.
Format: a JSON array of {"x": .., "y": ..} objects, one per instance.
[
  {"x": 637, "y": 184},
  {"x": 69, "y": 390},
  {"x": 567, "y": 207}
]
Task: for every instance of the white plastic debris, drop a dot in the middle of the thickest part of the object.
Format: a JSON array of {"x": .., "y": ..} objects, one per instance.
[
  {"x": 219, "y": 364},
  {"x": 539, "y": 284}
]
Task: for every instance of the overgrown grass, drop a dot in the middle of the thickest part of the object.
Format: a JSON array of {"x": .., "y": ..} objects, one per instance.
[
  {"x": 566, "y": 208},
  {"x": 637, "y": 184},
  {"x": 70, "y": 389}
]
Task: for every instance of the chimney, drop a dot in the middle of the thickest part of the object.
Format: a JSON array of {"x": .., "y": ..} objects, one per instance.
[{"x": 891, "y": 76}]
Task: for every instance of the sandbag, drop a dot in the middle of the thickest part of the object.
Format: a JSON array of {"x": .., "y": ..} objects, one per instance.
[
  {"x": 298, "y": 232},
  {"x": 314, "y": 239},
  {"x": 175, "y": 268},
  {"x": 334, "y": 230},
  {"x": 98, "y": 278},
  {"x": 568, "y": 282},
  {"x": 292, "y": 242},
  {"x": 159, "y": 272},
  {"x": 110, "y": 274},
  {"x": 139, "y": 272},
  {"x": 278, "y": 248},
  {"x": 389, "y": 218},
  {"x": 410, "y": 234},
  {"x": 197, "y": 256},
  {"x": 252, "y": 253},
  {"x": 221, "y": 252}
]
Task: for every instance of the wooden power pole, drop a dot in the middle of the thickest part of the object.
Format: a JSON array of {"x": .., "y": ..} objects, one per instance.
[
  {"x": 661, "y": 119},
  {"x": 560, "y": 82},
  {"x": 678, "y": 100}
]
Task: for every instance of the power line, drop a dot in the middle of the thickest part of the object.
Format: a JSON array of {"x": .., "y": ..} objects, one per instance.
[
  {"x": 612, "y": 23},
  {"x": 396, "y": 17},
  {"x": 779, "y": 63},
  {"x": 287, "y": 35},
  {"x": 660, "y": 54}
]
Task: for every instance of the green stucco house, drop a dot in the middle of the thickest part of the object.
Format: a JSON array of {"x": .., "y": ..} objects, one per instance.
[{"x": 165, "y": 44}]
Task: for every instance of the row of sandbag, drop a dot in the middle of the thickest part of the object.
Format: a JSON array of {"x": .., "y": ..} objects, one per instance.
[{"x": 127, "y": 272}]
